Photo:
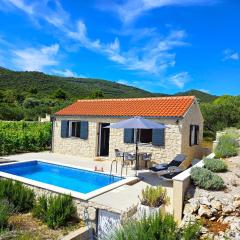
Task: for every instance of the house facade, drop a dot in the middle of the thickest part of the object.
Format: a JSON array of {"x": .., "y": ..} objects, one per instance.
[{"x": 79, "y": 129}]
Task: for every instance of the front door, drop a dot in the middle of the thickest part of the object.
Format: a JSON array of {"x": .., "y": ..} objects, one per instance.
[{"x": 103, "y": 139}]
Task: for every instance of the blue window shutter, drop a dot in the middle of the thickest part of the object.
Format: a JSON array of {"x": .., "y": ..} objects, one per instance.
[
  {"x": 158, "y": 137},
  {"x": 64, "y": 129},
  {"x": 84, "y": 130},
  {"x": 128, "y": 135}
]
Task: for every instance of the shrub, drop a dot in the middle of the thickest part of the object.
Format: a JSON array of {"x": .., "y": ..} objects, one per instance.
[
  {"x": 206, "y": 179},
  {"x": 191, "y": 231},
  {"x": 215, "y": 165},
  {"x": 21, "y": 197},
  {"x": 24, "y": 136},
  {"x": 40, "y": 208},
  {"x": 227, "y": 147},
  {"x": 5, "y": 211},
  {"x": 153, "y": 196},
  {"x": 55, "y": 211},
  {"x": 154, "y": 227}
]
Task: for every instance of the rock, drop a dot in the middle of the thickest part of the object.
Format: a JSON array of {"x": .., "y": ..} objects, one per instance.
[
  {"x": 228, "y": 209},
  {"x": 236, "y": 204},
  {"x": 92, "y": 213},
  {"x": 187, "y": 209},
  {"x": 213, "y": 218},
  {"x": 216, "y": 204},
  {"x": 204, "y": 211},
  {"x": 203, "y": 230},
  {"x": 233, "y": 182},
  {"x": 220, "y": 219},
  {"x": 204, "y": 201},
  {"x": 237, "y": 197}
]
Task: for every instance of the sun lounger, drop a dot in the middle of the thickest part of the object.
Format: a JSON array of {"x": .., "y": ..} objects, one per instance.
[
  {"x": 171, "y": 172},
  {"x": 174, "y": 163}
]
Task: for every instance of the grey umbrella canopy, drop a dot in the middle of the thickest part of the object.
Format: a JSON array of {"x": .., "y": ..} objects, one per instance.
[{"x": 137, "y": 123}]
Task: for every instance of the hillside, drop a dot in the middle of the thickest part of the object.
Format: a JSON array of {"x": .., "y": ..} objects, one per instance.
[
  {"x": 23, "y": 82},
  {"x": 202, "y": 96},
  {"x": 27, "y": 95},
  {"x": 74, "y": 87}
]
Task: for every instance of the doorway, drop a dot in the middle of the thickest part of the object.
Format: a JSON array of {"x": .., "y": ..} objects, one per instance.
[{"x": 103, "y": 140}]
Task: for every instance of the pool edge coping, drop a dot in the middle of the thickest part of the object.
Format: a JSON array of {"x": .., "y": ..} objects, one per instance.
[{"x": 61, "y": 190}]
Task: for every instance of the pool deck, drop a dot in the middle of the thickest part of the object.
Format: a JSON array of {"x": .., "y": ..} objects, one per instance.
[{"x": 121, "y": 198}]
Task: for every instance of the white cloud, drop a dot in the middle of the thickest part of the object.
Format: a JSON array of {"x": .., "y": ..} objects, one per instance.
[
  {"x": 20, "y": 4},
  {"x": 55, "y": 15},
  {"x": 152, "y": 58},
  {"x": 36, "y": 59},
  {"x": 180, "y": 79},
  {"x": 68, "y": 73},
  {"x": 230, "y": 54},
  {"x": 65, "y": 73},
  {"x": 132, "y": 9},
  {"x": 204, "y": 90}
]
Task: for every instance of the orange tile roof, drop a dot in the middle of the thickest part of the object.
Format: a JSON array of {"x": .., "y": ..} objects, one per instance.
[{"x": 148, "y": 107}]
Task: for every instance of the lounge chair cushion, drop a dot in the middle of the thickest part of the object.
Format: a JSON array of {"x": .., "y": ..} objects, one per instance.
[{"x": 176, "y": 162}]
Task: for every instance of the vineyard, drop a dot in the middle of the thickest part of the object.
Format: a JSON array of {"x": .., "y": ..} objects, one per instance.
[{"x": 17, "y": 137}]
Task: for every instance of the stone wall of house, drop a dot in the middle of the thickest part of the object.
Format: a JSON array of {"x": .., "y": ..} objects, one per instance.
[
  {"x": 159, "y": 153},
  {"x": 88, "y": 148},
  {"x": 193, "y": 116},
  {"x": 176, "y": 138},
  {"x": 75, "y": 146}
]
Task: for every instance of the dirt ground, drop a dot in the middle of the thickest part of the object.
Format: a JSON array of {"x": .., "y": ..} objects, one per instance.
[{"x": 25, "y": 227}]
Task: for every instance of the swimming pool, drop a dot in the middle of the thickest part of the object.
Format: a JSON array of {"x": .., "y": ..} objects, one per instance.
[{"x": 78, "y": 182}]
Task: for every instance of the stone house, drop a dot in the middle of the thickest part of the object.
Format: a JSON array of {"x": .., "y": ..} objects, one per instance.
[{"x": 79, "y": 129}]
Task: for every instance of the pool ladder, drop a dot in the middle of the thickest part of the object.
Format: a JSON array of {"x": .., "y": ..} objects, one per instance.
[
  {"x": 113, "y": 161},
  {"x": 122, "y": 166}
]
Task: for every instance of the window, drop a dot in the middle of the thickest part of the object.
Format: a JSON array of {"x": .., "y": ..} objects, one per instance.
[
  {"x": 74, "y": 129},
  {"x": 194, "y": 135},
  {"x": 154, "y": 136},
  {"x": 145, "y": 135}
]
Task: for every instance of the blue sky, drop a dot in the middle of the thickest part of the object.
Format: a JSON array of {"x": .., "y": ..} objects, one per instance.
[{"x": 158, "y": 45}]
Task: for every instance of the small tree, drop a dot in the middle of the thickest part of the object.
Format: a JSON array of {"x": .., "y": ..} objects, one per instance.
[
  {"x": 60, "y": 94},
  {"x": 33, "y": 90},
  {"x": 97, "y": 94}
]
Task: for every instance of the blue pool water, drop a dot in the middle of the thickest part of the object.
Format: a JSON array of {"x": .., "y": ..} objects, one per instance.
[{"x": 75, "y": 179}]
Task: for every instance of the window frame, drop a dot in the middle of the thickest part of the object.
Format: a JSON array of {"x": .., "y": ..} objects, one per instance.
[
  {"x": 193, "y": 135},
  {"x": 70, "y": 128}
]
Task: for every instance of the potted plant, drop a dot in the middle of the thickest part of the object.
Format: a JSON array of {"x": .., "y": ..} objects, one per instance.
[{"x": 152, "y": 201}]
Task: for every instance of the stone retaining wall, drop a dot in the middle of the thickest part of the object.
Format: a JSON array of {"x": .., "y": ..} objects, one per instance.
[{"x": 181, "y": 184}]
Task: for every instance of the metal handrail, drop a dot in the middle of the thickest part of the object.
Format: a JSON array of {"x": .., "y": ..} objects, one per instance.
[{"x": 112, "y": 167}]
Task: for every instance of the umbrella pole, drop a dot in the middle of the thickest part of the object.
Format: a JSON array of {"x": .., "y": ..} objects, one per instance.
[{"x": 136, "y": 150}]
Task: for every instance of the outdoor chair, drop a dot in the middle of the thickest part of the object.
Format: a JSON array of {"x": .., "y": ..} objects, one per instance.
[
  {"x": 171, "y": 172},
  {"x": 147, "y": 158},
  {"x": 118, "y": 154},
  {"x": 118, "y": 157},
  {"x": 128, "y": 159},
  {"x": 174, "y": 163}
]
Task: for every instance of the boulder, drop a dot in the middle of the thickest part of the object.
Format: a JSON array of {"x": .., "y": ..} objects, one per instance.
[
  {"x": 236, "y": 204},
  {"x": 216, "y": 205},
  {"x": 204, "y": 201},
  {"x": 237, "y": 197},
  {"x": 228, "y": 209},
  {"x": 204, "y": 211}
]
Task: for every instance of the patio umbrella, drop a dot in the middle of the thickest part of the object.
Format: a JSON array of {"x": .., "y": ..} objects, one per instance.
[{"x": 137, "y": 123}]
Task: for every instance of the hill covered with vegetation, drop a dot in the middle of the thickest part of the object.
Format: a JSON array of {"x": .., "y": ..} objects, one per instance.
[{"x": 27, "y": 95}]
